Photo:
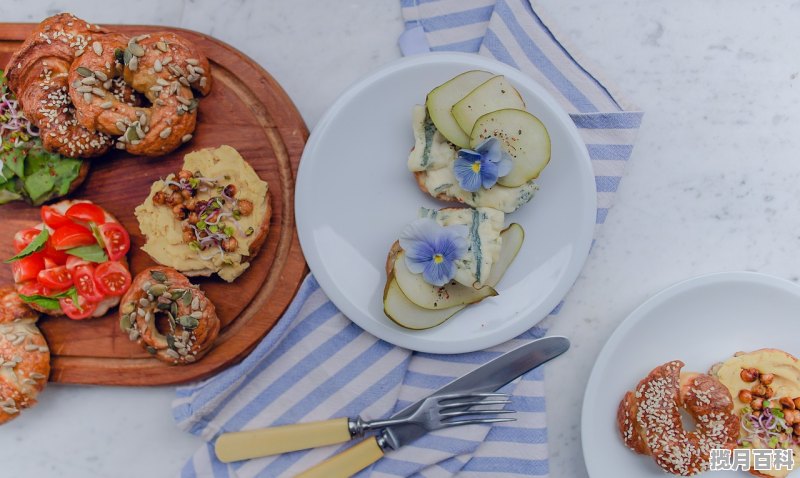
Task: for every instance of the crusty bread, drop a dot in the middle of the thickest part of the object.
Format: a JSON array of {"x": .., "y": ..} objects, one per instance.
[
  {"x": 82, "y": 174},
  {"x": 420, "y": 177}
]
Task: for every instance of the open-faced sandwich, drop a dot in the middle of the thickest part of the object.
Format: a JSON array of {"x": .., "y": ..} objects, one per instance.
[
  {"x": 476, "y": 144},
  {"x": 73, "y": 262},
  {"x": 446, "y": 260},
  {"x": 28, "y": 172},
  {"x": 211, "y": 217},
  {"x": 765, "y": 385}
]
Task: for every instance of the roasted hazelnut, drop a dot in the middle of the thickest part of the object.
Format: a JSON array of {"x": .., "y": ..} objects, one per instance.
[
  {"x": 173, "y": 199},
  {"x": 245, "y": 207},
  {"x": 184, "y": 174},
  {"x": 767, "y": 378},
  {"x": 193, "y": 218},
  {"x": 797, "y": 429},
  {"x": 769, "y": 392},
  {"x": 791, "y": 417},
  {"x": 759, "y": 390},
  {"x": 787, "y": 402},
  {"x": 757, "y": 403},
  {"x": 745, "y": 396},
  {"x": 159, "y": 197},
  {"x": 797, "y": 402},
  {"x": 230, "y": 244},
  {"x": 179, "y": 212},
  {"x": 187, "y": 193},
  {"x": 749, "y": 375},
  {"x": 190, "y": 204},
  {"x": 188, "y": 235},
  {"x": 230, "y": 190},
  {"x": 174, "y": 188}
]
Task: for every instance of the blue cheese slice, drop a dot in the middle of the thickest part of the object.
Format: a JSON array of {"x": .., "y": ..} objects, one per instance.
[
  {"x": 483, "y": 244},
  {"x": 433, "y": 156}
]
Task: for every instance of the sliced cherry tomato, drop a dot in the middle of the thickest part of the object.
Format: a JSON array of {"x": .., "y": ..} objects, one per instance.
[
  {"x": 117, "y": 240},
  {"x": 71, "y": 235},
  {"x": 74, "y": 262},
  {"x": 32, "y": 287},
  {"x": 27, "y": 268},
  {"x": 86, "y": 212},
  {"x": 50, "y": 252},
  {"x": 83, "y": 310},
  {"x": 24, "y": 237},
  {"x": 83, "y": 277},
  {"x": 49, "y": 263},
  {"x": 53, "y": 218},
  {"x": 112, "y": 278},
  {"x": 57, "y": 278}
]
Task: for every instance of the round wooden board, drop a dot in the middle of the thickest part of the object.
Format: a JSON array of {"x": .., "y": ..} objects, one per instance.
[{"x": 247, "y": 110}]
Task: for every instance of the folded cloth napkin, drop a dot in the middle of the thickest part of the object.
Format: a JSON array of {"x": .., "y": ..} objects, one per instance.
[{"x": 316, "y": 364}]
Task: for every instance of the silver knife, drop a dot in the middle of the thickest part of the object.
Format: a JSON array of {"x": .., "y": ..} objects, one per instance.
[{"x": 486, "y": 378}]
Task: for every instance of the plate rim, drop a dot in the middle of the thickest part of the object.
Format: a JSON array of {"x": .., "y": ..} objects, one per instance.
[
  {"x": 641, "y": 311},
  {"x": 303, "y": 200}
]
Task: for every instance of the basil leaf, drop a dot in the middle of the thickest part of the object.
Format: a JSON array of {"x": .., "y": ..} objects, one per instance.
[
  {"x": 97, "y": 235},
  {"x": 93, "y": 253},
  {"x": 36, "y": 244},
  {"x": 50, "y": 302}
]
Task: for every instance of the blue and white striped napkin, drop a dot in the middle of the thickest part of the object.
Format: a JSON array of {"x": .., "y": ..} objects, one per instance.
[{"x": 316, "y": 364}]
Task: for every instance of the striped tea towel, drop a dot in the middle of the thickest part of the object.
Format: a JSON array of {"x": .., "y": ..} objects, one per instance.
[{"x": 316, "y": 364}]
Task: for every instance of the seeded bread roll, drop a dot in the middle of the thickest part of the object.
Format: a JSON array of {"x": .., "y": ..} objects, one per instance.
[{"x": 24, "y": 356}]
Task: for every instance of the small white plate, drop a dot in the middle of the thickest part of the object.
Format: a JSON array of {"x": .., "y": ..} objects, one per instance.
[
  {"x": 700, "y": 321},
  {"x": 355, "y": 195}
]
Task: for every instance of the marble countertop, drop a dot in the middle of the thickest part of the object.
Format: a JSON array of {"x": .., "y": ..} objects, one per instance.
[{"x": 711, "y": 185}]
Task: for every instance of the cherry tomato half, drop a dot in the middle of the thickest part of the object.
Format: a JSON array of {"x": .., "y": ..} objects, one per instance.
[
  {"x": 117, "y": 240},
  {"x": 72, "y": 235},
  {"x": 50, "y": 252},
  {"x": 57, "y": 278},
  {"x": 32, "y": 287},
  {"x": 83, "y": 278},
  {"x": 112, "y": 278},
  {"x": 53, "y": 218},
  {"x": 74, "y": 262},
  {"x": 24, "y": 237},
  {"x": 86, "y": 212},
  {"x": 83, "y": 310},
  {"x": 27, "y": 268}
]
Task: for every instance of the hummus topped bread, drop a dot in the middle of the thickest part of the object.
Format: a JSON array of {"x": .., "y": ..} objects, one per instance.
[
  {"x": 211, "y": 217},
  {"x": 445, "y": 260},
  {"x": 475, "y": 143},
  {"x": 765, "y": 385}
]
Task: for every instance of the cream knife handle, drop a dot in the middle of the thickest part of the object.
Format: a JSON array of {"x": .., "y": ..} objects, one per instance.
[
  {"x": 347, "y": 463},
  {"x": 275, "y": 440}
]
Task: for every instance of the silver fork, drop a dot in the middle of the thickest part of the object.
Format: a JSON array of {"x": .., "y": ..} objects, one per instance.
[
  {"x": 441, "y": 411},
  {"x": 437, "y": 411}
]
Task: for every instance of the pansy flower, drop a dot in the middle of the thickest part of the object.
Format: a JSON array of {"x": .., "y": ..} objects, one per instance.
[
  {"x": 432, "y": 249},
  {"x": 481, "y": 166}
]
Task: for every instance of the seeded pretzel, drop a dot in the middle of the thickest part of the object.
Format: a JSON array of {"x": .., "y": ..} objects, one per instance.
[
  {"x": 24, "y": 356},
  {"x": 168, "y": 316},
  {"x": 37, "y": 74},
  {"x": 163, "y": 67},
  {"x": 650, "y": 422}
]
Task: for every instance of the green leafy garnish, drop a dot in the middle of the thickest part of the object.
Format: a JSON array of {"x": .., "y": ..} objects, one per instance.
[
  {"x": 201, "y": 225},
  {"x": 36, "y": 244},
  {"x": 249, "y": 231},
  {"x": 93, "y": 253},
  {"x": 229, "y": 231},
  {"x": 97, "y": 235},
  {"x": 50, "y": 302},
  {"x": 773, "y": 442}
]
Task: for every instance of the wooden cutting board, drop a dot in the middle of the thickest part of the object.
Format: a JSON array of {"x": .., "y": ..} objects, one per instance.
[{"x": 247, "y": 110}]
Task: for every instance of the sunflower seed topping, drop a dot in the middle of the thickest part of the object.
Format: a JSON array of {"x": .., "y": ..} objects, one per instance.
[
  {"x": 84, "y": 89},
  {"x": 87, "y": 97},
  {"x": 89, "y": 80},
  {"x": 193, "y": 61},
  {"x": 37, "y": 376},
  {"x": 165, "y": 133},
  {"x": 185, "y": 101},
  {"x": 31, "y": 347},
  {"x": 157, "y": 66},
  {"x": 84, "y": 72},
  {"x": 162, "y": 46},
  {"x": 134, "y": 64},
  {"x": 97, "y": 47},
  {"x": 186, "y": 138},
  {"x": 100, "y": 75},
  {"x": 136, "y": 49}
]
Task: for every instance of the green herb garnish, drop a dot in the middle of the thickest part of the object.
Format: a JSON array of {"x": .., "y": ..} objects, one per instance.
[
  {"x": 36, "y": 244},
  {"x": 93, "y": 253}
]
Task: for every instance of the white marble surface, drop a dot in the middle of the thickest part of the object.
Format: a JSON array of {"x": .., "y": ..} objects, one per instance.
[{"x": 712, "y": 184}]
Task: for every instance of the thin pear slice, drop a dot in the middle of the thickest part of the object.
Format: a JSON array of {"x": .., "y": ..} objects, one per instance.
[
  {"x": 441, "y": 99},
  {"x": 495, "y": 94},
  {"x": 406, "y": 314},
  {"x": 434, "y": 297},
  {"x": 523, "y": 136}
]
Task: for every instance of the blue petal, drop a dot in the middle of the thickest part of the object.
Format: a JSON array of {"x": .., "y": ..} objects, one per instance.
[
  {"x": 468, "y": 179},
  {"x": 469, "y": 155},
  {"x": 490, "y": 149},
  {"x": 439, "y": 274},
  {"x": 489, "y": 174},
  {"x": 505, "y": 165},
  {"x": 418, "y": 240},
  {"x": 454, "y": 246}
]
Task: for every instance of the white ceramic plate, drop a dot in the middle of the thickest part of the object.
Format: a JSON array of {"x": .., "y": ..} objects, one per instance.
[
  {"x": 701, "y": 321},
  {"x": 355, "y": 195}
]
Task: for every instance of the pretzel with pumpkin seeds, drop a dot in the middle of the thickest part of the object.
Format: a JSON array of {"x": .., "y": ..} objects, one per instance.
[{"x": 163, "y": 67}]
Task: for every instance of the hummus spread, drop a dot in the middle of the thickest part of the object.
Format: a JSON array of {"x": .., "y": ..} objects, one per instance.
[
  {"x": 164, "y": 233},
  {"x": 785, "y": 383}
]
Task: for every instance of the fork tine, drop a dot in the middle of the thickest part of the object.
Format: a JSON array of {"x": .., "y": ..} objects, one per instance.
[
  {"x": 475, "y": 412},
  {"x": 456, "y": 423},
  {"x": 462, "y": 396},
  {"x": 475, "y": 404}
]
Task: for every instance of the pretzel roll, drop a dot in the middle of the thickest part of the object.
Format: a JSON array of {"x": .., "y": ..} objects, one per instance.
[
  {"x": 168, "y": 316},
  {"x": 37, "y": 74},
  {"x": 649, "y": 419},
  {"x": 24, "y": 356},
  {"x": 150, "y": 65}
]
